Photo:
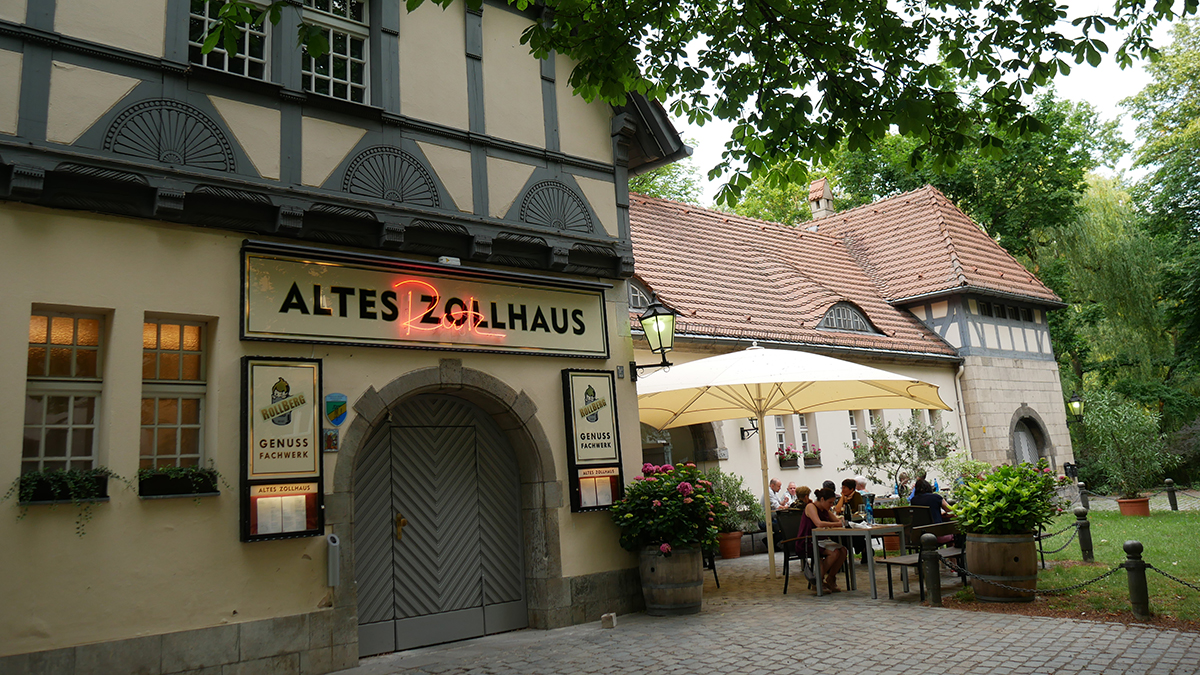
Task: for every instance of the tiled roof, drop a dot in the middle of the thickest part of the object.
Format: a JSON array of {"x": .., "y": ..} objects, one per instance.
[
  {"x": 918, "y": 243},
  {"x": 817, "y": 189},
  {"x": 732, "y": 276}
]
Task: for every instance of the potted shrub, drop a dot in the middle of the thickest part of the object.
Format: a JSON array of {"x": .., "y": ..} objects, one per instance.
[
  {"x": 788, "y": 457},
  {"x": 173, "y": 481},
  {"x": 1000, "y": 511},
  {"x": 812, "y": 456},
  {"x": 80, "y": 487},
  {"x": 742, "y": 511},
  {"x": 1126, "y": 446},
  {"x": 668, "y": 515}
]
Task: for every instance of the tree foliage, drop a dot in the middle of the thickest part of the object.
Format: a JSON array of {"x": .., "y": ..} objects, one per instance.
[
  {"x": 1124, "y": 441},
  {"x": 797, "y": 79},
  {"x": 679, "y": 181}
]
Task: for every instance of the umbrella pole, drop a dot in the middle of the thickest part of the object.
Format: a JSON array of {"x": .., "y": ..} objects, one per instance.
[{"x": 762, "y": 452}]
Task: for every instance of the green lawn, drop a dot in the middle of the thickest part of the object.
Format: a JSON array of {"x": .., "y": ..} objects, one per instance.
[{"x": 1171, "y": 541}]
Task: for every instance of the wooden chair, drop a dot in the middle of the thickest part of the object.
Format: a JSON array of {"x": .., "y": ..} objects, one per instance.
[
  {"x": 914, "y": 559},
  {"x": 710, "y": 563}
]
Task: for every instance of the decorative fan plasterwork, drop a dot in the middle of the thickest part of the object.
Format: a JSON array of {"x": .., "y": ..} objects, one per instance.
[
  {"x": 554, "y": 205},
  {"x": 171, "y": 132},
  {"x": 386, "y": 172}
]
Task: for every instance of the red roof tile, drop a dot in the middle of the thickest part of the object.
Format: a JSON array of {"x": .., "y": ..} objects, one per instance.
[
  {"x": 919, "y": 243},
  {"x": 733, "y": 276}
]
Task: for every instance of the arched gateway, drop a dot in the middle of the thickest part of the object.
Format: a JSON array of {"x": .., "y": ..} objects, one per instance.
[{"x": 448, "y": 530}]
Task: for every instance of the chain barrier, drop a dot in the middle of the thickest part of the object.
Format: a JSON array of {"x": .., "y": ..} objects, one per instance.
[
  {"x": 1173, "y": 578},
  {"x": 1051, "y": 536},
  {"x": 1036, "y": 591},
  {"x": 1060, "y": 548},
  {"x": 1186, "y": 494}
]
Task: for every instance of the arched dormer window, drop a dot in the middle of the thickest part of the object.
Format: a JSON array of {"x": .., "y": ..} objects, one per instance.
[
  {"x": 845, "y": 316},
  {"x": 639, "y": 297}
]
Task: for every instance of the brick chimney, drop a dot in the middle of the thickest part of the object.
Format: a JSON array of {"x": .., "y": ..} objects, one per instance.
[{"x": 820, "y": 198}]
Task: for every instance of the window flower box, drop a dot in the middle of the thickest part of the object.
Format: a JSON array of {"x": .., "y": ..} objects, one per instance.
[
  {"x": 93, "y": 487},
  {"x": 175, "y": 482},
  {"x": 789, "y": 463}
]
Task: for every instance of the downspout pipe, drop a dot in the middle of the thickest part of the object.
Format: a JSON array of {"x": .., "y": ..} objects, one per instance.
[{"x": 962, "y": 413}]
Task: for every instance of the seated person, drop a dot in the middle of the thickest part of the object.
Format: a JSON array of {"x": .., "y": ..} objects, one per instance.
[
  {"x": 921, "y": 476},
  {"x": 832, "y": 553},
  {"x": 923, "y": 495},
  {"x": 902, "y": 484},
  {"x": 802, "y": 497},
  {"x": 792, "y": 496},
  {"x": 778, "y": 499},
  {"x": 851, "y": 496}
]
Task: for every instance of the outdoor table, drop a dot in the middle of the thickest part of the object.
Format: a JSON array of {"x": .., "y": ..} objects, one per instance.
[{"x": 866, "y": 533}]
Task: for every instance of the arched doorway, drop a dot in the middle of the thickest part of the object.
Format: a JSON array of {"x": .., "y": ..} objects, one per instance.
[
  {"x": 1028, "y": 437},
  {"x": 437, "y": 514},
  {"x": 1025, "y": 446}
]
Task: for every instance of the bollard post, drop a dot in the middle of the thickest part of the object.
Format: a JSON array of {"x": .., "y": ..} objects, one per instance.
[
  {"x": 930, "y": 559},
  {"x": 1171, "y": 495},
  {"x": 1084, "y": 531},
  {"x": 1135, "y": 569},
  {"x": 1083, "y": 501}
]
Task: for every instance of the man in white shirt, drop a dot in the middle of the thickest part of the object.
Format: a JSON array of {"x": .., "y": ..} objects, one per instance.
[{"x": 779, "y": 499}]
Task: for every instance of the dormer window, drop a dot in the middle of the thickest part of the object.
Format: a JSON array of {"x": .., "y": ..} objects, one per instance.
[
  {"x": 845, "y": 316},
  {"x": 639, "y": 297}
]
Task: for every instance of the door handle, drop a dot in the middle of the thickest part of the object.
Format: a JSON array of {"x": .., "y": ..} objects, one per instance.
[{"x": 401, "y": 521}]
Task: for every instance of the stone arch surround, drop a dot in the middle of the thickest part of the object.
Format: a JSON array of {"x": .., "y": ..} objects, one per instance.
[
  {"x": 541, "y": 490},
  {"x": 1025, "y": 412}
]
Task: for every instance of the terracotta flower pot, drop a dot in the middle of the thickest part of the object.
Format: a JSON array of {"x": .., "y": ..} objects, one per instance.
[
  {"x": 729, "y": 544},
  {"x": 1134, "y": 507}
]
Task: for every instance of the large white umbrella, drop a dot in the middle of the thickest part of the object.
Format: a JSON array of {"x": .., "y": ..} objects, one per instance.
[{"x": 760, "y": 382}]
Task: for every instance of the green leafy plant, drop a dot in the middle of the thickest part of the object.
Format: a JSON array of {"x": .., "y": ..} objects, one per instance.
[
  {"x": 79, "y": 486},
  {"x": 1008, "y": 500},
  {"x": 742, "y": 510},
  {"x": 957, "y": 467},
  {"x": 813, "y": 453},
  {"x": 201, "y": 479},
  {"x": 889, "y": 451},
  {"x": 1125, "y": 443},
  {"x": 668, "y": 507}
]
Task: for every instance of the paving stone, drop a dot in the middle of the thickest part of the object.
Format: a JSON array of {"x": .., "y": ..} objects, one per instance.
[{"x": 749, "y": 619}]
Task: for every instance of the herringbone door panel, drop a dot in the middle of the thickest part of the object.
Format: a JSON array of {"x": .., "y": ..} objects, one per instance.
[
  {"x": 373, "y": 529},
  {"x": 500, "y": 529}
]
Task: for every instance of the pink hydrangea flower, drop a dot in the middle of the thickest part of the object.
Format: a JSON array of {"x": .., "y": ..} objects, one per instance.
[
  {"x": 666, "y": 468},
  {"x": 685, "y": 488},
  {"x": 657, "y": 503},
  {"x": 689, "y": 464},
  {"x": 638, "y": 478},
  {"x": 687, "y": 500},
  {"x": 651, "y": 479},
  {"x": 665, "y": 548},
  {"x": 647, "y": 468},
  {"x": 724, "y": 503}
]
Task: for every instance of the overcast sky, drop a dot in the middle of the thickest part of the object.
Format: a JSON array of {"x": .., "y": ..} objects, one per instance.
[{"x": 1104, "y": 87}]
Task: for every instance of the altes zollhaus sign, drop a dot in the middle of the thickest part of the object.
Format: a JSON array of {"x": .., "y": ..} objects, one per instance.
[{"x": 378, "y": 302}]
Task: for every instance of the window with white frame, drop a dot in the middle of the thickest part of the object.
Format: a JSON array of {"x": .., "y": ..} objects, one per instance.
[
  {"x": 780, "y": 433},
  {"x": 173, "y": 387},
  {"x": 639, "y": 299},
  {"x": 251, "y": 57},
  {"x": 342, "y": 72},
  {"x": 845, "y": 316},
  {"x": 62, "y": 391},
  {"x": 874, "y": 418},
  {"x": 853, "y": 428},
  {"x": 802, "y": 432},
  {"x": 935, "y": 418}
]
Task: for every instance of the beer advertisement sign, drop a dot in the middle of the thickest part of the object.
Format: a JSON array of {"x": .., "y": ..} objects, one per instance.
[
  {"x": 282, "y": 437},
  {"x": 593, "y": 438}
]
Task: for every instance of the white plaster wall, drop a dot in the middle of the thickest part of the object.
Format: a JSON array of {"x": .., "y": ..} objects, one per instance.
[
  {"x": 433, "y": 64},
  {"x": 169, "y": 565},
  {"x": 136, "y": 25},
  {"x": 512, "y": 89}
]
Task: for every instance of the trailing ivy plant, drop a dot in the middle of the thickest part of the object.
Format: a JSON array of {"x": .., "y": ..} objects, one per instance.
[
  {"x": 1008, "y": 500},
  {"x": 80, "y": 486},
  {"x": 199, "y": 477}
]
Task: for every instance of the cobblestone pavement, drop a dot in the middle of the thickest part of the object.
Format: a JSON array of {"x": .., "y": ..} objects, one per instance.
[{"x": 749, "y": 626}]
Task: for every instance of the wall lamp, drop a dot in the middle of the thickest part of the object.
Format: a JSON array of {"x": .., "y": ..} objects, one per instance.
[{"x": 658, "y": 324}]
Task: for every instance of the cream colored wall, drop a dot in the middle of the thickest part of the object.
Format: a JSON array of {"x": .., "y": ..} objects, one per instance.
[
  {"x": 994, "y": 388},
  {"x": 433, "y": 64},
  {"x": 505, "y": 180},
  {"x": 146, "y": 560},
  {"x": 256, "y": 129},
  {"x": 602, "y": 195},
  {"x": 831, "y": 429},
  {"x": 324, "y": 146},
  {"x": 136, "y": 25},
  {"x": 453, "y": 168},
  {"x": 585, "y": 128},
  {"x": 10, "y": 90},
  {"x": 12, "y": 10},
  {"x": 512, "y": 89},
  {"x": 79, "y": 96}
]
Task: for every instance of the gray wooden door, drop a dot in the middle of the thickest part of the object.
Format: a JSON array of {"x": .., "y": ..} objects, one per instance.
[
  {"x": 1024, "y": 444},
  {"x": 455, "y": 570}
]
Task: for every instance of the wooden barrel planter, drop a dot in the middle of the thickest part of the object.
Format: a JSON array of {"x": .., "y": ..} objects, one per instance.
[
  {"x": 1009, "y": 559},
  {"x": 673, "y": 584}
]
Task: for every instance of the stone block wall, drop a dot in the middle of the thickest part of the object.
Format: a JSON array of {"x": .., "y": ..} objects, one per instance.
[
  {"x": 303, "y": 644},
  {"x": 994, "y": 390}
]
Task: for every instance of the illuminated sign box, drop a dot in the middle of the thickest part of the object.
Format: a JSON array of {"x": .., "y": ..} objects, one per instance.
[
  {"x": 300, "y": 297},
  {"x": 282, "y": 469},
  {"x": 593, "y": 439}
]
